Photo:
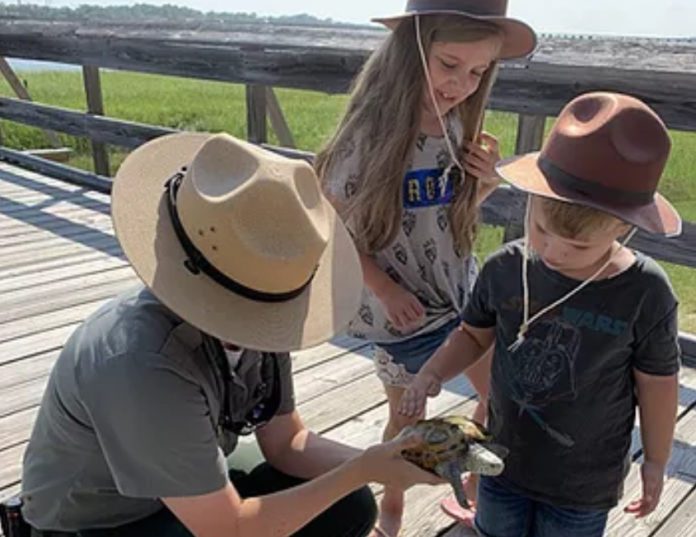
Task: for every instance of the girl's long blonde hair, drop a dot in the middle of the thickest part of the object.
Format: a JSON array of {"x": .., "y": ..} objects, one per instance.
[{"x": 383, "y": 118}]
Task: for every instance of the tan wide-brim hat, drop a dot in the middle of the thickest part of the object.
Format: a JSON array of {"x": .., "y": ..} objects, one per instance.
[
  {"x": 519, "y": 39},
  {"x": 606, "y": 151},
  {"x": 262, "y": 223}
]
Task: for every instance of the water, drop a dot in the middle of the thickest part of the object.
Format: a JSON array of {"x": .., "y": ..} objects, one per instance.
[{"x": 33, "y": 66}]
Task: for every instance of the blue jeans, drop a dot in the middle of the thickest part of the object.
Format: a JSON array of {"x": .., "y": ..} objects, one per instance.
[
  {"x": 412, "y": 353},
  {"x": 504, "y": 513}
]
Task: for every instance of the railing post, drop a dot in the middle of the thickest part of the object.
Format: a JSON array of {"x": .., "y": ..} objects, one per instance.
[
  {"x": 530, "y": 135},
  {"x": 256, "y": 113},
  {"x": 275, "y": 114},
  {"x": 95, "y": 106}
]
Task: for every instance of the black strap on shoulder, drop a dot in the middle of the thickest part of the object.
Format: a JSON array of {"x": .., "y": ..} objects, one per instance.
[{"x": 270, "y": 377}]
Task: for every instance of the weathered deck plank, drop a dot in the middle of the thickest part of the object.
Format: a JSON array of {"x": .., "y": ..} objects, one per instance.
[
  {"x": 60, "y": 273},
  {"x": 682, "y": 522},
  {"x": 19, "y": 328},
  {"x": 66, "y": 230},
  {"x": 27, "y": 369},
  {"x": 52, "y": 289},
  {"x": 46, "y": 217},
  {"x": 75, "y": 296}
]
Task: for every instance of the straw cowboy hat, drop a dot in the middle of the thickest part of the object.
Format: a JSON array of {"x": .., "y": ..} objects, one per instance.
[
  {"x": 606, "y": 151},
  {"x": 237, "y": 241},
  {"x": 519, "y": 39}
]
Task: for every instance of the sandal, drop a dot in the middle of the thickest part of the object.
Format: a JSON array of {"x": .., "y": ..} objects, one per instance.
[{"x": 464, "y": 516}]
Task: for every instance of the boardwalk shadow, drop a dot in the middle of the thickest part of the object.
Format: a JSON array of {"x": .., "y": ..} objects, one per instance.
[
  {"x": 37, "y": 217},
  {"x": 682, "y": 464},
  {"x": 57, "y": 194},
  {"x": 63, "y": 227}
]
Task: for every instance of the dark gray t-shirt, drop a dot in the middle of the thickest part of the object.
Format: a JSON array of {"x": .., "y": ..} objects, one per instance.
[
  {"x": 130, "y": 415},
  {"x": 564, "y": 402}
]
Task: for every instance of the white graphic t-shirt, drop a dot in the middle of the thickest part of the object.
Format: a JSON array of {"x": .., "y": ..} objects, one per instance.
[{"x": 422, "y": 257}]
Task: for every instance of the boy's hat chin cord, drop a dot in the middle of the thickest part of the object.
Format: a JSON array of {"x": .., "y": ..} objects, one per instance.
[{"x": 526, "y": 321}]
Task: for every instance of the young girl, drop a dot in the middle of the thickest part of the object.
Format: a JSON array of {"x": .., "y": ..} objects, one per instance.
[{"x": 407, "y": 168}]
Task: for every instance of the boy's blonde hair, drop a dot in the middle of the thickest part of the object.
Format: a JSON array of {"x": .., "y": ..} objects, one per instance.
[
  {"x": 383, "y": 118},
  {"x": 573, "y": 221}
]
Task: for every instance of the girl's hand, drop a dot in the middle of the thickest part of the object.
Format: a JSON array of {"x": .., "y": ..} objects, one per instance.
[
  {"x": 481, "y": 159},
  {"x": 401, "y": 307},
  {"x": 384, "y": 464},
  {"x": 424, "y": 385},
  {"x": 653, "y": 476}
]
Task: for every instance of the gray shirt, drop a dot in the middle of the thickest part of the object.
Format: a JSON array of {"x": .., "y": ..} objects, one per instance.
[
  {"x": 422, "y": 258},
  {"x": 130, "y": 414},
  {"x": 564, "y": 402}
]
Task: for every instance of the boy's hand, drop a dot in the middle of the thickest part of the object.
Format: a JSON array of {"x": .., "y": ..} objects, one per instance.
[
  {"x": 424, "y": 385},
  {"x": 481, "y": 158},
  {"x": 401, "y": 307},
  {"x": 653, "y": 476}
]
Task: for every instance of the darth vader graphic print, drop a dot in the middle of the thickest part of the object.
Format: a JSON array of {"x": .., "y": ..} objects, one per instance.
[{"x": 542, "y": 370}]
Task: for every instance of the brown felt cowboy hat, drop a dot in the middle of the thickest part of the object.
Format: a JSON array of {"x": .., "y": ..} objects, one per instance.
[
  {"x": 606, "y": 151},
  {"x": 238, "y": 241},
  {"x": 518, "y": 38}
]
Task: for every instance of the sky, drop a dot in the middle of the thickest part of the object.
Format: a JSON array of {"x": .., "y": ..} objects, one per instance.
[{"x": 663, "y": 18}]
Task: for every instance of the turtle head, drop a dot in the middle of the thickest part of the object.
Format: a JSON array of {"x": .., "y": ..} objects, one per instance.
[{"x": 482, "y": 459}]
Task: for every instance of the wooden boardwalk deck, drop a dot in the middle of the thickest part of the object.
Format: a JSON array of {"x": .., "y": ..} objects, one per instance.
[{"x": 59, "y": 261}]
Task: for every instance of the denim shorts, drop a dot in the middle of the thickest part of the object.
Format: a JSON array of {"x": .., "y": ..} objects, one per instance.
[
  {"x": 501, "y": 512},
  {"x": 396, "y": 363}
]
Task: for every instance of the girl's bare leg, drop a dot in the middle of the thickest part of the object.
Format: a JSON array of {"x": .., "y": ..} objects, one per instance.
[{"x": 391, "y": 508}]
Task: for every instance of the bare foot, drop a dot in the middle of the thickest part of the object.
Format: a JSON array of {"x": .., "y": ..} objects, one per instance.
[
  {"x": 451, "y": 508},
  {"x": 391, "y": 509}
]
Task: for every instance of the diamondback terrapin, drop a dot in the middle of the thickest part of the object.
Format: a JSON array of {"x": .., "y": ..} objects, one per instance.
[{"x": 454, "y": 445}]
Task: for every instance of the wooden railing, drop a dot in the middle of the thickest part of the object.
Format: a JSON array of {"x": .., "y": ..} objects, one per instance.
[
  {"x": 662, "y": 73},
  {"x": 326, "y": 59}
]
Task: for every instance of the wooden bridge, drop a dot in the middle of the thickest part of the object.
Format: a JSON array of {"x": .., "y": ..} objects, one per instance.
[{"x": 59, "y": 260}]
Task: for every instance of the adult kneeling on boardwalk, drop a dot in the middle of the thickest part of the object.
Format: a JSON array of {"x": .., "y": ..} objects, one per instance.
[{"x": 242, "y": 260}]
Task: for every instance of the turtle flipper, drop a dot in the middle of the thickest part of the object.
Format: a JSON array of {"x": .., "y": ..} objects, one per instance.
[
  {"x": 452, "y": 472},
  {"x": 481, "y": 460}
]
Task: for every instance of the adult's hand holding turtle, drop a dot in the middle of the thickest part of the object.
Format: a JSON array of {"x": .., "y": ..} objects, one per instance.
[{"x": 384, "y": 463}]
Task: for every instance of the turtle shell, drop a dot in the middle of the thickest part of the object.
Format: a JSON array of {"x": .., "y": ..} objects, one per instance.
[{"x": 444, "y": 438}]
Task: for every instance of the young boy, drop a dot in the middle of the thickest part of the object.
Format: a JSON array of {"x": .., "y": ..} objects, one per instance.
[{"x": 583, "y": 327}]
